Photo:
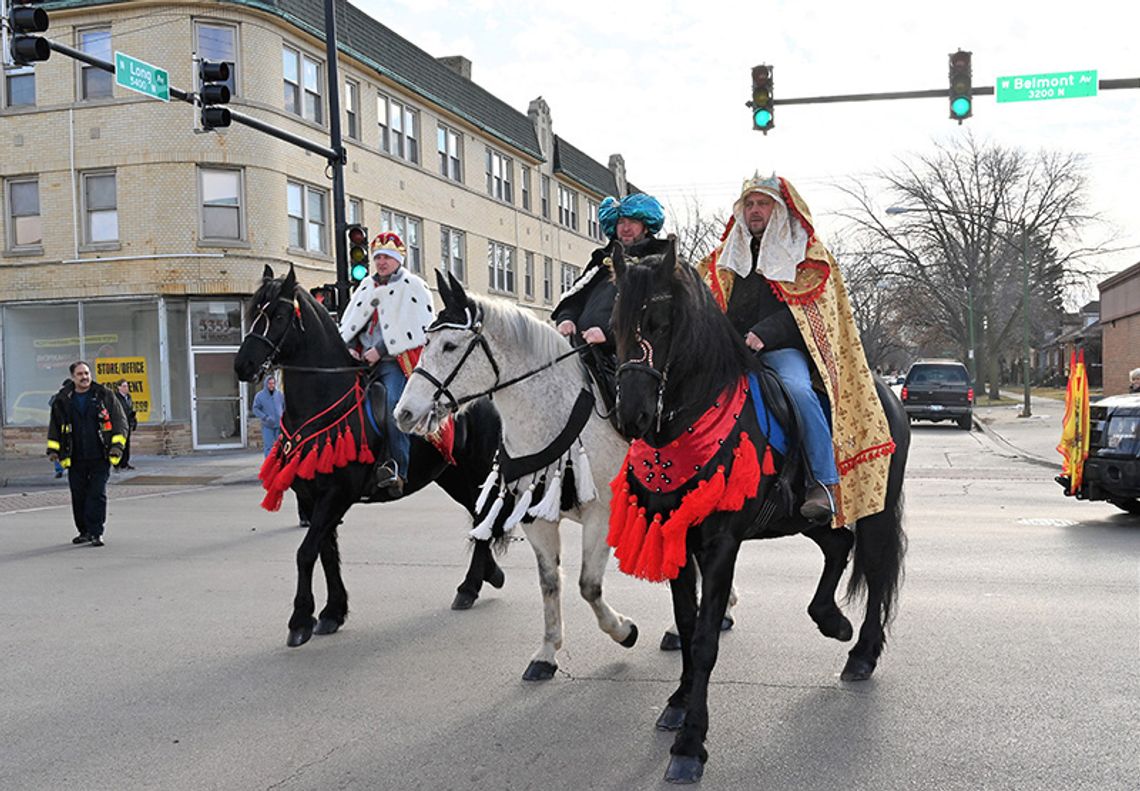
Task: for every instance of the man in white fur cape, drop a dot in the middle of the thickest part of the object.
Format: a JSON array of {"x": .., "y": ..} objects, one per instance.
[{"x": 385, "y": 326}]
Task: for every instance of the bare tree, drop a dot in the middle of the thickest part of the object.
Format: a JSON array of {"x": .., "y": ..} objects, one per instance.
[
  {"x": 958, "y": 251},
  {"x": 698, "y": 230}
]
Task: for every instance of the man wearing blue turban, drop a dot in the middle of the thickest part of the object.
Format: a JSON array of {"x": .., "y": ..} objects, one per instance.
[{"x": 583, "y": 313}]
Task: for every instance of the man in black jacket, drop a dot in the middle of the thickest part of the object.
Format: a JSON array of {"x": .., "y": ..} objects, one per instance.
[{"x": 86, "y": 434}]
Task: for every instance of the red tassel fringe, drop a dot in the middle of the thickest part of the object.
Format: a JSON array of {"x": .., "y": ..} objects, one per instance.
[
  {"x": 269, "y": 468},
  {"x": 325, "y": 460},
  {"x": 308, "y": 467},
  {"x": 365, "y": 456},
  {"x": 349, "y": 446},
  {"x": 273, "y": 498}
]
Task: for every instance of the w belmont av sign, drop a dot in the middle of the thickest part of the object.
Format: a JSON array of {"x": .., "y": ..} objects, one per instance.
[
  {"x": 142, "y": 77},
  {"x": 1060, "y": 85}
]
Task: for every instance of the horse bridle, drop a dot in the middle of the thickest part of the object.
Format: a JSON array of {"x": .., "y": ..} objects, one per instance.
[
  {"x": 644, "y": 364},
  {"x": 274, "y": 348}
]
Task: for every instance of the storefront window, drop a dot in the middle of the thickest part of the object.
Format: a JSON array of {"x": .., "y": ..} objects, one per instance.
[
  {"x": 122, "y": 343},
  {"x": 215, "y": 323},
  {"x": 178, "y": 354},
  {"x": 40, "y": 343}
]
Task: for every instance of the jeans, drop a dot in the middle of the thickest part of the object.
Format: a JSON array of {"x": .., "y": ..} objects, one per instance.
[
  {"x": 399, "y": 445},
  {"x": 792, "y": 366},
  {"x": 87, "y": 479},
  {"x": 269, "y": 435}
]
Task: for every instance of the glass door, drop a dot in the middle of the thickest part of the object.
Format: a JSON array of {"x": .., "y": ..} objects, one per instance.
[{"x": 217, "y": 399}]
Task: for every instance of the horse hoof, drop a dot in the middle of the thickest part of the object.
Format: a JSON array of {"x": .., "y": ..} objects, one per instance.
[
  {"x": 857, "y": 669},
  {"x": 538, "y": 670},
  {"x": 834, "y": 624},
  {"x": 463, "y": 601},
  {"x": 670, "y": 642},
  {"x": 727, "y": 622},
  {"x": 326, "y": 626},
  {"x": 630, "y": 639},
  {"x": 671, "y": 719},
  {"x": 684, "y": 770},
  {"x": 496, "y": 578},
  {"x": 299, "y": 636}
]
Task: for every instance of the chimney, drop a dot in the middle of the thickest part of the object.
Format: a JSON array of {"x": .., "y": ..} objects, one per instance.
[{"x": 458, "y": 64}]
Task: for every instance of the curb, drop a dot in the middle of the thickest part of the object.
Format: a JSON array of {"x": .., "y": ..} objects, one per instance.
[{"x": 1004, "y": 443}]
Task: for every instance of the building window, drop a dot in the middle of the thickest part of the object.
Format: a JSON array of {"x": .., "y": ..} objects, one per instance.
[
  {"x": 24, "y": 226},
  {"x": 524, "y": 187},
  {"x": 567, "y": 207},
  {"x": 545, "y": 196},
  {"x": 500, "y": 268},
  {"x": 547, "y": 280},
  {"x": 499, "y": 176},
  {"x": 448, "y": 142},
  {"x": 408, "y": 229},
  {"x": 451, "y": 245},
  {"x": 308, "y": 218},
  {"x": 95, "y": 83},
  {"x": 100, "y": 209},
  {"x": 221, "y": 191},
  {"x": 20, "y": 87},
  {"x": 302, "y": 85},
  {"x": 217, "y": 43},
  {"x": 352, "y": 109},
  {"x": 399, "y": 129},
  {"x": 592, "y": 228},
  {"x": 569, "y": 275},
  {"x": 528, "y": 276},
  {"x": 354, "y": 212}
]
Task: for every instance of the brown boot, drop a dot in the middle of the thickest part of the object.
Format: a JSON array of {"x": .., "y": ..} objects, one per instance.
[{"x": 819, "y": 505}]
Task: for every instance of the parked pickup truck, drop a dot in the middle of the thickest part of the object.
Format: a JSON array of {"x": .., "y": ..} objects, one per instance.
[
  {"x": 938, "y": 390},
  {"x": 1112, "y": 471}
]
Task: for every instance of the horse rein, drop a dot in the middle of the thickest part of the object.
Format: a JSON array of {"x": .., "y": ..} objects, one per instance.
[
  {"x": 274, "y": 348},
  {"x": 644, "y": 364}
]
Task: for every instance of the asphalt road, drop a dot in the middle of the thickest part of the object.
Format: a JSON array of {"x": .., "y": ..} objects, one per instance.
[{"x": 159, "y": 661}]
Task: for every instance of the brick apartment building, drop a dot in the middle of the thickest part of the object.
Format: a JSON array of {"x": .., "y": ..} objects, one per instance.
[
  {"x": 131, "y": 239},
  {"x": 1120, "y": 324}
]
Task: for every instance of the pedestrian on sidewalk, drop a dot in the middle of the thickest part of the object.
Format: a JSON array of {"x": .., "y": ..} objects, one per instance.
[
  {"x": 123, "y": 394},
  {"x": 86, "y": 434},
  {"x": 1134, "y": 380},
  {"x": 268, "y": 407}
]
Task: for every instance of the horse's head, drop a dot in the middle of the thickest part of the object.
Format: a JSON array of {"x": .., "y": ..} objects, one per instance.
[
  {"x": 456, "y": 362},
  {"x": 644, "y": 327},
  {"x": 275, "y": 325}
]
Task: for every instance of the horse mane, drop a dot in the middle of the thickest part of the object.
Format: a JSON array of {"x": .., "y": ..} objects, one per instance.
[
  {"x": 706, "y": 353},
  {"x": 520, "y": 328},
  {"x": 312, "y": 311}
]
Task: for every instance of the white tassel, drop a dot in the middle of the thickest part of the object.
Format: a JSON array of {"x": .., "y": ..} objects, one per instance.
[
  {"x": 485, "y": 489},
  {"x": 482, "y": 531},
  {"x": 550, "y": 508},
  {"x": 583, "y": 478},
  {"x": 520, "y": 509}
]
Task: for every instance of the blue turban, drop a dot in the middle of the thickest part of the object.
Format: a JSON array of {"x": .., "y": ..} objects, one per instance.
[{"x": 639, "y": 206}]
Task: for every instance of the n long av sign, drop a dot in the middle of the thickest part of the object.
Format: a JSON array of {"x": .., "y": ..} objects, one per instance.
[{"x": 1058, "y": 85}]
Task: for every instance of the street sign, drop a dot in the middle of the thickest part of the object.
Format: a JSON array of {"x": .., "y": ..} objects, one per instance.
[
  {"x": 140, "y": 76},
  {"x": 1059, "y": 85}
]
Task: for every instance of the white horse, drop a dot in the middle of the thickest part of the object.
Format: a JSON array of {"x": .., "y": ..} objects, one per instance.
[{"x": 475, "y": 347}]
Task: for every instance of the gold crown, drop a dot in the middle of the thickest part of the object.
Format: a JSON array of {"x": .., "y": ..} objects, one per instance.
[{"x": 758, "y": 183}]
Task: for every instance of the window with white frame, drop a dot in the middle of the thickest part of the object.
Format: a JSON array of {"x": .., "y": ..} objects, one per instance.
[
  {"x": 524, "y": 186},
  {"x": 448, "y": 144},
  {"x": 592, "y": 228},
  {"x": 408, "y": 229},
  {"x": 352, "y": 109},
  {"x": 567, "y": 207},
  {"x": 528, "y": 276},
  {"x": 547, "y": 280},
  {"x": 100, "y": 208},
  {"x": 500, "y": 172},
  {"x": 221, "y": 191},
  {"x": 354, "y": 211},
  {"x": 452, "y": 245},
  {"x": 20, "y": 87},
  {"x": 303, "y": 95},
  {"x": 95, "y": 83},
  {"x": 399, "y": 128},
  {"x": 569, "y": 275},
  {"x": 500, "y": 268},
  {"x": 308, "y": 217},
  {"x": 217, "y": 42},
  {"x": 25, "y": 226}
]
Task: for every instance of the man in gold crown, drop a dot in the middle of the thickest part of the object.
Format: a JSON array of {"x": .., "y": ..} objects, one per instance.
[{"x": 781, "y": 289}]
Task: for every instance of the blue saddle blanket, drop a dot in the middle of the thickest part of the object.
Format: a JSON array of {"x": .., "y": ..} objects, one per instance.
[{"x": 768, "y": 424}]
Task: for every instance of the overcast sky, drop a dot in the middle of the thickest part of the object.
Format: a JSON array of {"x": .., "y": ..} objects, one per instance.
[{"x": 664, "y": 84}]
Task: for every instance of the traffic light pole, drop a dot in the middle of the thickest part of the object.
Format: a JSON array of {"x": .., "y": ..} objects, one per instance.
[
  {"x": 337, "y": 161},
  {"x": 940, "y": 93}
]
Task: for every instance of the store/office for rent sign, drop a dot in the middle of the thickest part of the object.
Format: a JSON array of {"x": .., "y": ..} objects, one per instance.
[{"x": 1059, "y": 85}]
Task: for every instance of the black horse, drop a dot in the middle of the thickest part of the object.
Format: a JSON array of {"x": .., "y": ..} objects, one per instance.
[
  {"x": 290, "y": 330},
  {"x": 679, "y": 354}
]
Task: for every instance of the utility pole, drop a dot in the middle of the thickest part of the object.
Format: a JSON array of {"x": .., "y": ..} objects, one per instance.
[
  {"x": 336, "y": 162},
  {"x": 1026, "y": 411}
]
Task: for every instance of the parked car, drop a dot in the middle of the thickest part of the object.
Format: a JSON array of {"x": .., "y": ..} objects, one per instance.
[
  {"x": 31, "y": 408},
  {"x": 939, "y": 390},
  {"x": 1112, "y": 470}
]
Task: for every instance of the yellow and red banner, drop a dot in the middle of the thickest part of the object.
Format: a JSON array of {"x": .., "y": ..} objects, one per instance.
[{"x": 1074, "y": 445}]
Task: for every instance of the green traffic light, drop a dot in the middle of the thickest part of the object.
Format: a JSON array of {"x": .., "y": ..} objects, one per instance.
[
  {"x": 960, "y": 107},
  {"x": 762, "y": 118},
  {"x": 359, "y": 272}
]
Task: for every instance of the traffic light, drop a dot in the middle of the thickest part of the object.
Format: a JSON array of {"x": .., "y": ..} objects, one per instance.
[
  {"x": 761, "y": 104},
  {"x": 325, "y": 295},
  {"x": 212, "y": 76},
  {"x": 23, "y": 19},
  {"x": 961, "y": 80},
  {"x": 357, "y": 254}
]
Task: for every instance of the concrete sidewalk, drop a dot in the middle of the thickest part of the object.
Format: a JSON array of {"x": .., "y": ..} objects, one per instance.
[
  {"x": 1033, "y": 438},
  {"x": 206, "y": 467}
]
